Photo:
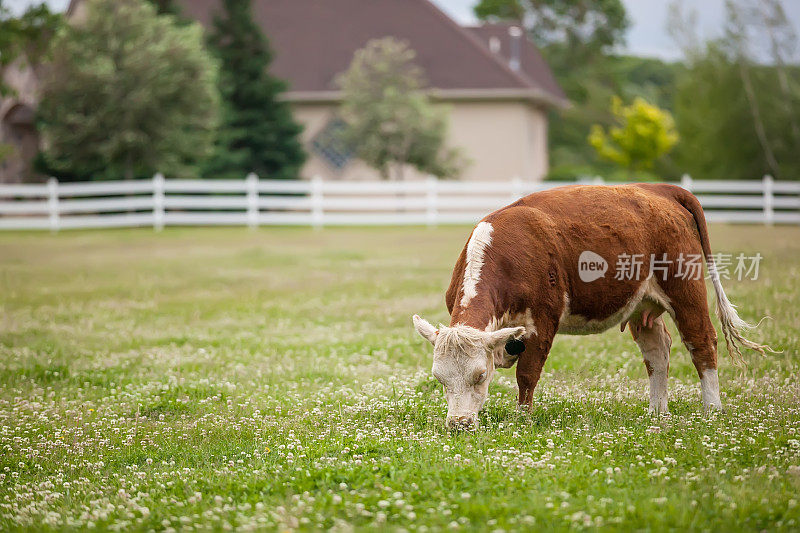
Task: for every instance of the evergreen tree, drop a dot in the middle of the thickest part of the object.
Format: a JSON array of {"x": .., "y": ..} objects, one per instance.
[{"x": 258, "y": 133}]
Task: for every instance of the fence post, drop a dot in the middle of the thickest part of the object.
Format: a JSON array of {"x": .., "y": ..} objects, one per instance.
[
  {"x": 52, "y": 204},
  {"x": 317, "y": 213},
  {"x": 252, "y": 200},
  {"x": 769, "y": 200},
  {"x": 158, "y": 202},
  {"x": 432, "y": 201},
  {"x": 686, "y": 182}
]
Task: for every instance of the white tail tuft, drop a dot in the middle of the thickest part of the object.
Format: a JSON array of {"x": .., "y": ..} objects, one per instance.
[{"x": 732, "y": 324}]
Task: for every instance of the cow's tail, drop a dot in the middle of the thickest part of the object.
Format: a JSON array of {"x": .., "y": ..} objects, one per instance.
[{"x": 732, "y": 324}]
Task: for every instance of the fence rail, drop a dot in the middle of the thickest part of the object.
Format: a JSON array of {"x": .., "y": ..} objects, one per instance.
[{"x": 253, "y": 202}]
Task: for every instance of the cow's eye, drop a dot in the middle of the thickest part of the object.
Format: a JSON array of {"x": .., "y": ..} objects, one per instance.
[{"x": 481, "y": 378}]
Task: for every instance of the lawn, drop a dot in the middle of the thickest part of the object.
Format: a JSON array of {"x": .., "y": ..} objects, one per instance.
[{"x": 271, "y": 379}]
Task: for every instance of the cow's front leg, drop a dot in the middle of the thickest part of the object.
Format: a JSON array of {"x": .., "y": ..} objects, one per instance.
[{"x": 529, "y": 368}]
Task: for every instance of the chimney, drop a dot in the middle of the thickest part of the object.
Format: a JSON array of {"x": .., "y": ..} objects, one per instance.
[{"x": 515, "y": 48}]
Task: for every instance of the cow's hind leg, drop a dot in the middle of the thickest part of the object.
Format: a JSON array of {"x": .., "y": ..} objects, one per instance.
[
  {"x": 691, "y": 315},
  {"x": 654, "y": 341}
]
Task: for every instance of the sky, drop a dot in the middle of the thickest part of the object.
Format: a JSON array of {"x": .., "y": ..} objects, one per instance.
[{"x": 647, "y": 36}]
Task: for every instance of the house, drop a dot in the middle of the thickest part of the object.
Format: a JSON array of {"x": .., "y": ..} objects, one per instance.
[{"x": 494, "y": 81}]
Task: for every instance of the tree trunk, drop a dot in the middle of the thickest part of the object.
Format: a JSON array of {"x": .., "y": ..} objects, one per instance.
[
  {"x": 737, "y": 21},
  {"x": 400, "y": 177},
  {"x": 128, "y": 166},
  {"x": 758, "y": 122},
  {"x": 783, "y": 81},
  {"x": 771, "y": 22}
]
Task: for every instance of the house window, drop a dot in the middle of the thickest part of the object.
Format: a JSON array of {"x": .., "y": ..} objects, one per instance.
[{"x": 330, "y": 145}]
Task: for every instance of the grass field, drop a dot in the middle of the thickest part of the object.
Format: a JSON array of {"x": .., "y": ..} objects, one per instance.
[{"x": 271, "y": 379}]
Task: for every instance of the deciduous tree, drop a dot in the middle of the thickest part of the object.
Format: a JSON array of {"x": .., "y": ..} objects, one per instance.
[
  {"x": 736, "y": 105},
  {"x": 166, "y": 7},
  {"x": 130, "y": 93},
  {"x": 576, "y": 38},
  {"x": 391, "y": 122},
  {"x": 26, "y": 38},
  {"x": 595, "y": 25},
  {"x": 643, "y": 134}
]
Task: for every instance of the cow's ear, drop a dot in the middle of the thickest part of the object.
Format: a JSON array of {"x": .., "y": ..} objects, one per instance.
[
  {"x": 425, "y": 329},
  {"x": 502, "y": 336}
]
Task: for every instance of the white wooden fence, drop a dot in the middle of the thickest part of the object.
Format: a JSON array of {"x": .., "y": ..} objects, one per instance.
[{"x": 253, "y": 202}]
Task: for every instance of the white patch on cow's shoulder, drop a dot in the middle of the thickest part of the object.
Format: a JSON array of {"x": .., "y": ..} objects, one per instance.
[
  {"x": 709, "y": 384},
  {"x": 476, "y": 249},
  {"x": 648, "y": 291}
]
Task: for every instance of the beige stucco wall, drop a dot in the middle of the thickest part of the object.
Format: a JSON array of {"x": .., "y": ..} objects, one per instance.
[{"x": 501, "y": 140}]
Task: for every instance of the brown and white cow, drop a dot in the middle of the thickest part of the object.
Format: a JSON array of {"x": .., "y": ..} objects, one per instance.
[{"x": 518, "y": 279}]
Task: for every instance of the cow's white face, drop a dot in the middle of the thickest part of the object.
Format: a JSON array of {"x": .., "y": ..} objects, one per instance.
[{"x": 464, "y": 362}]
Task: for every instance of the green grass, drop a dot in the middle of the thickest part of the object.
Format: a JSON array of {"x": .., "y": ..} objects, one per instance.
[{"x": 271, "y": 379}]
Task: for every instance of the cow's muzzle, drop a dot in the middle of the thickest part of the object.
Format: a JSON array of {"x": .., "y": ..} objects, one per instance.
[{"x": 461, "y": 422}]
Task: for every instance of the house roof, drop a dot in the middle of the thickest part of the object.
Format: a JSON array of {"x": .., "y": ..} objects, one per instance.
[
  {"x": 314, "y": 40},
  {"x": 532, "y": 64}
]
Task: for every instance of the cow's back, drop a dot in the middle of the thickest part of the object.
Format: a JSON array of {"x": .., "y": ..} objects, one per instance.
[
  {"x": 537, "y": 242},
  {"x": 624, "y": 205}
]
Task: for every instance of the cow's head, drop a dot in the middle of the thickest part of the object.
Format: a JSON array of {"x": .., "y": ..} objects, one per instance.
[{"x": 464, "y": 360}]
